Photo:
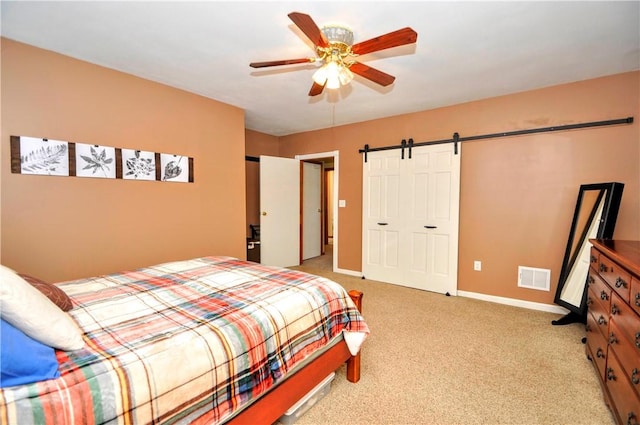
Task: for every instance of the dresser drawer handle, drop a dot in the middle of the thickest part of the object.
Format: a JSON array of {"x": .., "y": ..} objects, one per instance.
[
  {"x": 604, "y": 296},
  {"x": 631, "y": 419},
  {"x": 615, "y": 309},
  {"x": 591, "y": 280},
  {"x": 638, "y": 339},
  {"x": 600, "y": 353},
  {"x": 602, "y": 320},
  {"x": 637, "y": 300},
  {"x": 603, "y": 267},
  {"x": 620, "y": 283},
  {"x": 610, "y": 375},
  {"x": 587, "y": 328},
  {"x": 612, "y": 339},
  {"x": 594, "y": 259},
  {"x": 635, "y": 376}
]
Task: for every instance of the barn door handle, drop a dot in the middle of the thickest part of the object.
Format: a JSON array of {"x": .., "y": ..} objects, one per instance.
[
  {"x": 382, "y": 224},
  {"x": 430, "y": 227}
]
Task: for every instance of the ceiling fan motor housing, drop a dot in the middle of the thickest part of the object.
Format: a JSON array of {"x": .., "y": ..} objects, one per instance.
[{"x": 340, "y": 37}]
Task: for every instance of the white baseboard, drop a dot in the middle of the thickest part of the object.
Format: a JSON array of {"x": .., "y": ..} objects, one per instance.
[
  {"x": 549, "y": 308},
  {"x": 514, "y": 302},
  {"x": 348, "y": 272}
]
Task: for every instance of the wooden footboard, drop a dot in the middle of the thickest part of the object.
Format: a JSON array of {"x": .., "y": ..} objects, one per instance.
[{"x": 271, "y": 406}]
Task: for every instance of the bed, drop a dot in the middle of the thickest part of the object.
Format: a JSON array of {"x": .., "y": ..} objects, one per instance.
[{"x": 208, "y": 340}]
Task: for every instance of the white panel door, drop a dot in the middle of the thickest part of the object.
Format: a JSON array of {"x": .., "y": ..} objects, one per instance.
[
  {"x": 432, "y": 196},
  {"x": 311, "y": 210},
  {"x": 381, "y": 217},
  {"x": 279, "y": 211},
  {"x": 418, "y": 198}
]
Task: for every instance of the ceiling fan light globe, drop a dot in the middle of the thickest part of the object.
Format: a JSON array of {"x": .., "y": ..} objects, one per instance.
[
  {"x": 332, "y": 75},
  {"x": 333, "y": 82},
  {"x": 345, "y": 76},
  {"x": 333, "y": 70},
  {"x": 320, "y": 76}
]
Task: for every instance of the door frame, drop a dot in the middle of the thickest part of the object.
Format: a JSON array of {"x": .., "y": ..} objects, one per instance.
[{"x": 336, "y": 174}]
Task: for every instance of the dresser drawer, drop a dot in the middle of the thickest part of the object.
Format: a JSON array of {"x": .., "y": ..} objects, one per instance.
[
  {"x": 626, "y": 320},
  {"x": 617, "y": 277},
  {"x": 596, "y": 346},
  {"x": 634, "y": 299},
  {"x": 625, "y": 400},
  {"x": 598, "y": 292},
  {"x": 594, "y": 259},
  {"x": 628, "y": 355},
  {"x": 599, "y": 315}
]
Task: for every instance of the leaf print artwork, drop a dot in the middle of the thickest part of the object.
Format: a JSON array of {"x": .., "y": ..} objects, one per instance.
[
  {"x": 138, "y": 165},
  {"x": 95, "y": 161},
  {"x": 42, "y": 156},
  {"x": 174, "y": 168}
]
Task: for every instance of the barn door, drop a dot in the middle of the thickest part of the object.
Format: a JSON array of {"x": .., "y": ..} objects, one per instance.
[{"x": 410, "y": 218}]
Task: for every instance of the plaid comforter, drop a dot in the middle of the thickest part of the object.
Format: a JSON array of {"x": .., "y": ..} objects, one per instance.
[{"x": 183, "y": 341}]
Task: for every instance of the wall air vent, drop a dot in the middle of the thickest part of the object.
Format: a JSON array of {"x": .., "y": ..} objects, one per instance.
[{"x": 533, "y": 278}]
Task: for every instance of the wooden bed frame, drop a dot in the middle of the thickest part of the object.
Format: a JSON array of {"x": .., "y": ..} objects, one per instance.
[{"x": 272, "y": 405}]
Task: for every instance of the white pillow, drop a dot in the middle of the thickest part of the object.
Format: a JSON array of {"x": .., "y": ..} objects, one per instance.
[{"x": 33, "y": 313}]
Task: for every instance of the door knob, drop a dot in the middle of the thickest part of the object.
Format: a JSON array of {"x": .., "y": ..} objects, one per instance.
[{"x": 264, "y": 213}]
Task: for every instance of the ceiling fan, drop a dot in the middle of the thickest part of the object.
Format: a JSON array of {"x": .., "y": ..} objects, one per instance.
[{"x": 334, "y": 47}]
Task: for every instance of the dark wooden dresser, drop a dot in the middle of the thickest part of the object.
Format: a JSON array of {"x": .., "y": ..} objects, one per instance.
[{"x": 613, "y": 324}]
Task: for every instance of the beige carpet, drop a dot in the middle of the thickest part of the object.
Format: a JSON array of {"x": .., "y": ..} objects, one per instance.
[{"x": 432, "y": 359}]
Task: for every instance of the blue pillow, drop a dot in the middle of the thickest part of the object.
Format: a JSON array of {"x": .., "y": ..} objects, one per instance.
[{"x": 24, "y": 360}]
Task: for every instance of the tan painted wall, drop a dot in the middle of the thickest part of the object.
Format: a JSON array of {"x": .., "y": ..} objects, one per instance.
[
  {"x": 67, "y": 227},
  {"x": 517, "y": 194}
]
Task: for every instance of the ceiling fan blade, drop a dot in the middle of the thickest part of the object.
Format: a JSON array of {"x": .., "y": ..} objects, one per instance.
[
  {"x": 309, "y": 28},
  {"x": 393, "y": 39},
  {"x": 281, "y": 62},
  {"x": 372, "y": 74},
  {"x": 316, "y": 89}
]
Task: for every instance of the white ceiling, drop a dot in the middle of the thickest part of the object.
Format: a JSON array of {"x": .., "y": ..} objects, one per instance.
[{"x": 465, "y": 50}]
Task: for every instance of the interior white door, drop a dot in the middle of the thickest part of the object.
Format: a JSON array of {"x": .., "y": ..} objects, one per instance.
[
  {"x": 431, "y": 200},
  {"x": 279, "y": 211},
  {"x": 381, "y": 217},
  {"x": 411, "y": 209},
  {"x": 311, "y": 210}
]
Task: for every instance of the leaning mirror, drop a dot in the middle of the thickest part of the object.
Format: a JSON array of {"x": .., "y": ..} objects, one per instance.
[{"x": 594, "y": 217}]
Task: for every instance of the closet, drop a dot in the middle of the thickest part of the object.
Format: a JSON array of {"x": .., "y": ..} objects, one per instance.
[{"x": 410, "y": 217}]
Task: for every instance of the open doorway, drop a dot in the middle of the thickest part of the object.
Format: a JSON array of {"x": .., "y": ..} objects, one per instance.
[{"x": 328, "y": 260}]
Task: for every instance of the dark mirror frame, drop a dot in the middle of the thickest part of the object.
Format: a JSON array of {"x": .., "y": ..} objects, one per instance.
[{"x": 583, "y": 216}]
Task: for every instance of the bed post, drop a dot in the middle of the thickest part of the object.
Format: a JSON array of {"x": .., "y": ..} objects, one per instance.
[{"x": 353, "y": 363}]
